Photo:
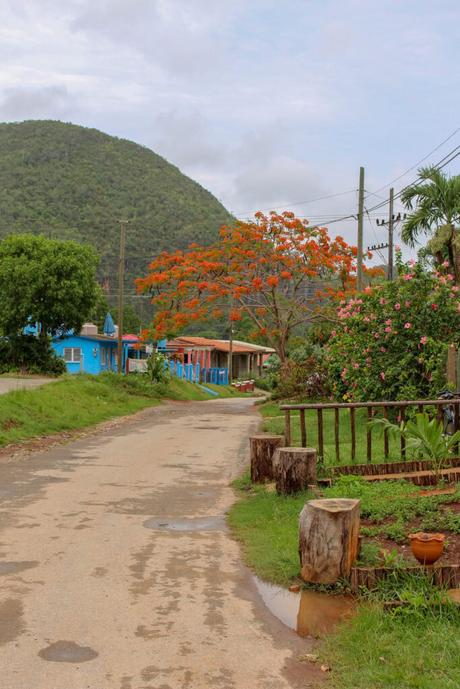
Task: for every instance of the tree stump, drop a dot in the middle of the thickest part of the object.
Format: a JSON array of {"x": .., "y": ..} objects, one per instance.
[
  {"x": 328, "y": 539},
  {"x": 262, "y": 447},
  {"x": 294, "y": 469}
]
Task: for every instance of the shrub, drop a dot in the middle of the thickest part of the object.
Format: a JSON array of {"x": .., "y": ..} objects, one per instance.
[
  {"x": 392, "y": 341},
  {"x": 29, "y": 354}
]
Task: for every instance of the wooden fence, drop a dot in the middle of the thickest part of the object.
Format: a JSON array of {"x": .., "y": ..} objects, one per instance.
[{"x": 373, "y": 409}]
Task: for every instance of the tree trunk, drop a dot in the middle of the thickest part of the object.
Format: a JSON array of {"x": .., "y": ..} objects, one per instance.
[
  {"x": 294, "y": 469},
  {"x": 328, "y": 539},
  {"x": 454, "y": 252},
  {"x": 262, "y": 448}
]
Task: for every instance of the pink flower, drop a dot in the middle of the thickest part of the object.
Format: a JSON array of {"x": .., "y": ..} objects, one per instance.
[
  {"x": 366, "y": 319},
  {"x": 382, "y": 375},
  {"x": 397, "y": 307},
  {"x": 411, "y": 262},
  {"x": 423, "y": 340},
  {"x": 407, "y": 325},
  {"x": 355, "y": 365},
  {"x": 454, "y": 289},
  {"x": 397, "y": 247},
  {"x": 450, "y": 276},
  {"x": 388, "y": 322},
  {"x": 408, "y": 276},
  {"x": 434, "y": 307},
  {"x": 383, "y": 301},
  {"x": 333, "y": 333},
  {"x": 382, "y": 349},
  {"x": 377, "y": 336},
  {"x": 446, "y": 264},
  {"x": 388, "y": 329}
]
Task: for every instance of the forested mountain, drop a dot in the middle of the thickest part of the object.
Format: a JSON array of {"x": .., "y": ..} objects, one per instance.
[{"x": 70, "y": 182}]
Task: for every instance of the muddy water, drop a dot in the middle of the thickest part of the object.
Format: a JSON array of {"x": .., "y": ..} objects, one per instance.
[{"x": 309, "y": 613}]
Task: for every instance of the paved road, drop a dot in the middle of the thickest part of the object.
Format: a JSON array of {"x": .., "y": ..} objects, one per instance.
[
  {"x": 8, "y": 384},
  {"x": 116, "y": 568}
]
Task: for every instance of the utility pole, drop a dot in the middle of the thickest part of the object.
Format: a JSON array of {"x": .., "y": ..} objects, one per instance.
[
  {"x": 230, "y": 345},
  {"x": 392, "y": 222},
  {"x": 390, "y": 236},
  {"x": 121, "y": 289},
  {"x": 360, "y": 230}
]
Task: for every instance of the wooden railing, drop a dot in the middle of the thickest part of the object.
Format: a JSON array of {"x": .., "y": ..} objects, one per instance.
[{"x": 372, "y": 410}]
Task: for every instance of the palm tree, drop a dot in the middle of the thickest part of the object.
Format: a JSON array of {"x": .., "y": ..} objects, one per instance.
[{"x": 435, "y": 201}]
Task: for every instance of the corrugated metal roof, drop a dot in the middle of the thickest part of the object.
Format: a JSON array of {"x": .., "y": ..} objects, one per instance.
[{"x": 239, "y": 347}]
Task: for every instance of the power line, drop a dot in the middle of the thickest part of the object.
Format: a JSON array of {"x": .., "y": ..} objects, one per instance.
[
  {"x": 439, "y": 166},
  {"x": 297, "y": 203},
  {"x": 413, "y": 167}
]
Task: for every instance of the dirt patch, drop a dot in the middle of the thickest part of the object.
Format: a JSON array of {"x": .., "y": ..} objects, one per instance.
[
  {"x": 11, "y": 620},
  {"x": 450, "y": 556},
  {"x": 8, "y": 424}
]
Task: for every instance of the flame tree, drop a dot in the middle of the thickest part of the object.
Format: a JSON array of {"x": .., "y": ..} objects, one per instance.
[{"x": 277, "y": 269}]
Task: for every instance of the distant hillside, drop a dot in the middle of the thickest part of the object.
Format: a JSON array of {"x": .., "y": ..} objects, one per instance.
[{"x": 71, "y": 182}]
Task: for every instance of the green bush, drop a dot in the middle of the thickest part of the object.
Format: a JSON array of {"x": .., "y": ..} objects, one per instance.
[
  {"x": 29, "y": 354},
  {"x": 391, "y": 342}
]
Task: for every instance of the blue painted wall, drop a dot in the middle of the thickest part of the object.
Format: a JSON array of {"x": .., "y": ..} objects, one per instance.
[{"x": 91, "y": 359}]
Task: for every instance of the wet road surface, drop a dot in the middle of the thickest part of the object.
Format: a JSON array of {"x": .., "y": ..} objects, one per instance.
[{"x": 117, "y": 570}]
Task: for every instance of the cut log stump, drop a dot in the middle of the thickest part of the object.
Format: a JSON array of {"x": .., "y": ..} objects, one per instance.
[
  {"x": 262, "y": 448},
  {"x": 328, "y": 539},
  {"x": 294, "y": 469}
]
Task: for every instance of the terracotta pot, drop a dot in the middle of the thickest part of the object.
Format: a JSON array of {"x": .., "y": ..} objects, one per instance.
[{"x": 427, "y": 547}]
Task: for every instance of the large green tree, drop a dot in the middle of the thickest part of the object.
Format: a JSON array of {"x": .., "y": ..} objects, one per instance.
[
  {"x": 435, "y": 205},
  {"x": 46, "y": 281}
]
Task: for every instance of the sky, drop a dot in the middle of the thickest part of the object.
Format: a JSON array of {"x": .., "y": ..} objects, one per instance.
[{"x": 268, "y": 104}]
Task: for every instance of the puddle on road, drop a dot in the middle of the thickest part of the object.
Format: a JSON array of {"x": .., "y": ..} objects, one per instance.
[
  {"x": 15, "y": 567},
  {"x": 67, "y": 652},
  {"x": 197, "y": 524},
  {"x": 308, "y": 613}
]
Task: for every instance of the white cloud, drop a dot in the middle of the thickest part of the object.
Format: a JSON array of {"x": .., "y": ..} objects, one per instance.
[
  {"x": 28, "y": 103},
  {"x": 263, "y": 102}
]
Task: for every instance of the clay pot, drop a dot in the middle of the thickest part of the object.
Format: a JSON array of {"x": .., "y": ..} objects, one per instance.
[{"x": 427, "y": 547}]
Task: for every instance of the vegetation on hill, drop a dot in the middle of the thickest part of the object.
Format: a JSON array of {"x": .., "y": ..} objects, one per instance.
[{"x": 70, "y": 182}]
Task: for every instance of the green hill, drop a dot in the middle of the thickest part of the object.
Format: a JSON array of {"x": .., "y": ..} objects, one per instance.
[{"x": 71, "y": 182}]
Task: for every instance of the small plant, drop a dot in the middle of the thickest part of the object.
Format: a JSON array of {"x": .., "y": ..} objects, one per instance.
[
  {"x": 369, "y": 555},
  {"x": 425, "y": 437},
  {"x": 157, "y": 368},
  {"x": 391, "y": 558}
]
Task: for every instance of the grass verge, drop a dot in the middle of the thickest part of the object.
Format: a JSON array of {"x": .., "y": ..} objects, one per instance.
[
  {"x": 75, "y": 402},
  {"x": 274, "y": 423},
  {"x": 380, "y": 650},
  {"x": 417, "y": 646}
]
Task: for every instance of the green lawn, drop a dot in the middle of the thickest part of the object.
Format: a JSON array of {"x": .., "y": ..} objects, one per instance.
[
  {"x": 267, "y": 523},
  {"x": 74, "y": 402},
  {"x": 418, "y": 648},
  {"x": 274, "y": 423},
  {"x": 378, "y": 650}
]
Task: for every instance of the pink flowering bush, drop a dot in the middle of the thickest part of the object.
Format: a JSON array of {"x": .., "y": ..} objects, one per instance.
[{"x": 391, "y": 342}]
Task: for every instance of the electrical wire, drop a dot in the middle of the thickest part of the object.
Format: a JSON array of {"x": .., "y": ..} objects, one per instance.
[
  {"x": 297, "y": 203},
  {"x": 452, "y": 155},
  {"x": 413, "y": 167}
]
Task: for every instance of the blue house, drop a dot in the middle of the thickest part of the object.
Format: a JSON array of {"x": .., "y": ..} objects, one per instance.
[{"x": 88, "y": 353}]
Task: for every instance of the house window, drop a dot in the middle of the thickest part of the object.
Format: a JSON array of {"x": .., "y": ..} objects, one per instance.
[
  {"x": 104, "y": 356},
  {"x": 72, "y": 354}
]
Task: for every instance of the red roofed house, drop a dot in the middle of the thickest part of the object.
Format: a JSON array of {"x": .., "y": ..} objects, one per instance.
[{"x": 213, "y": 356}]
